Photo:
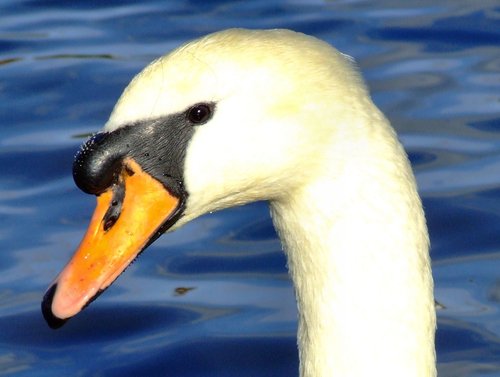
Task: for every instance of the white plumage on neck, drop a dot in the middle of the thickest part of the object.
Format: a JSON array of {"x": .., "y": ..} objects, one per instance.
[
  {"x": 357, "y": 249},
  {"x": 294, "y": 124}
]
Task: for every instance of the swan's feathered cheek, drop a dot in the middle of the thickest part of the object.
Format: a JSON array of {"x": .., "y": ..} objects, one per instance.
[{"x": 136, "y": 174}]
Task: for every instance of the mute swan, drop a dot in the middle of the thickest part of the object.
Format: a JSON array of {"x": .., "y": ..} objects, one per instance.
[{"x": 239, "y": 116}]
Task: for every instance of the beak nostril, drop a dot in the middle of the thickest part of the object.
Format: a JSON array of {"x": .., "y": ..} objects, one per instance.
[
  {"x": 109, "y": 222},
  {"x": 115, "y": 207}
]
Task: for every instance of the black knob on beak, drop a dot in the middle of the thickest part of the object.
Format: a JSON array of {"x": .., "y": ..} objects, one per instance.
[{"x": 98, "y": 163}]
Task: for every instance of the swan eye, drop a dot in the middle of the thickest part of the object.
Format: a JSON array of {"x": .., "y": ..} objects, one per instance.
[{"x": 200, "y": 113}]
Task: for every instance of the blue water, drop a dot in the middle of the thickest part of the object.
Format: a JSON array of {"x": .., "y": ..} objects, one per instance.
[{"x": 213, "y": 299}]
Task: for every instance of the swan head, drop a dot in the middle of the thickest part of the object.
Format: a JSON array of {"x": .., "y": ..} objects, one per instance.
[{"x": 233, "y": 117}]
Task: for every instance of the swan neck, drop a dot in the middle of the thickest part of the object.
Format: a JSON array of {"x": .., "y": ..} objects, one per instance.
[{"x": 357, "y": 251}]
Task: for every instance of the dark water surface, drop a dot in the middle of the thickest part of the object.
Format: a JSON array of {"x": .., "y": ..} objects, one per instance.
[{"x": 213, "y": 299}]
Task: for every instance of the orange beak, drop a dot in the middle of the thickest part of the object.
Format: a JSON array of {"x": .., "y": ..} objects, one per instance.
[{"x": 121, "y": 227}]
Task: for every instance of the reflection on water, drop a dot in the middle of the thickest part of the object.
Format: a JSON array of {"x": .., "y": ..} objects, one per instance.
[{"x": 213, "y": 299}]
